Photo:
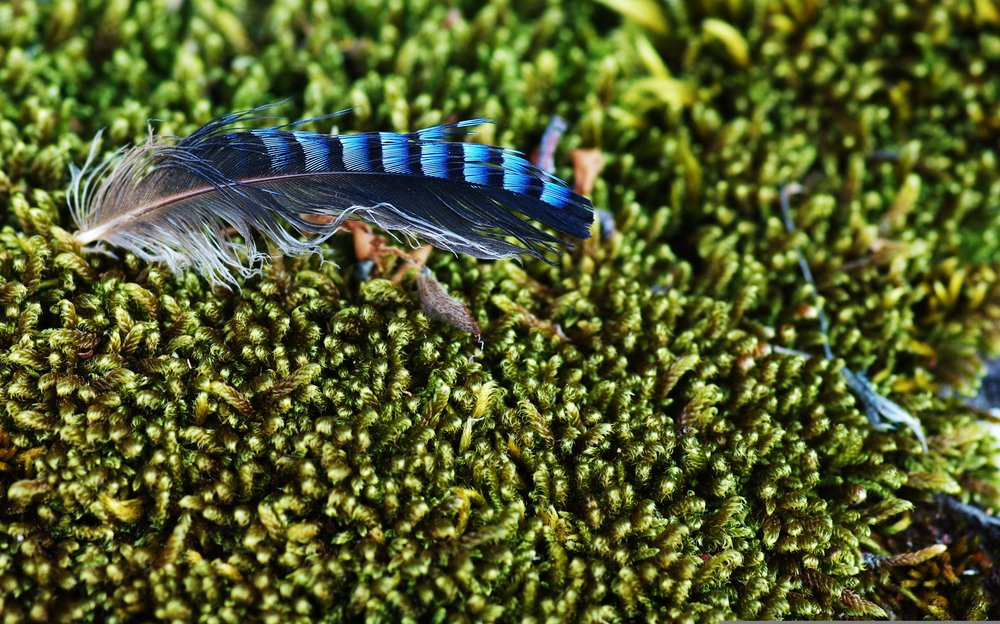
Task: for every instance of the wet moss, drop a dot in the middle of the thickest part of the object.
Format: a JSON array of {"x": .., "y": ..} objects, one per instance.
[{"x": 627, "y": 443}]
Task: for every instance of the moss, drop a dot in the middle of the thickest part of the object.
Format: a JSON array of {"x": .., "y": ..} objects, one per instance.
[{"x": 626, "y": 444}]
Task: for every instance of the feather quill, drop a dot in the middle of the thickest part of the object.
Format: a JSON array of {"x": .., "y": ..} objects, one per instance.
[{"x": 199, "y": 201}]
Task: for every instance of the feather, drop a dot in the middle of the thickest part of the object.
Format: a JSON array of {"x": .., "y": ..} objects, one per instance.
[{"x": 198, "y": 201}]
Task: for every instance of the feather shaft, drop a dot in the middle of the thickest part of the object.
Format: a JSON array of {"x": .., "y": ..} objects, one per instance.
[{"x": 96, "y": 233}]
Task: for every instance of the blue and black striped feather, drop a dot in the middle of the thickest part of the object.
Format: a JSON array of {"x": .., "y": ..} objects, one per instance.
[{"x": 199, "y": 200}]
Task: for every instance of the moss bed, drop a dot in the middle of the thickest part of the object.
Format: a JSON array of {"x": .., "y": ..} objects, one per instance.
[{"x": 628, "y": 443}]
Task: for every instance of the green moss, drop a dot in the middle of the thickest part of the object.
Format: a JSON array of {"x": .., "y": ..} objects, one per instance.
[{"x": 625, "y": 445}]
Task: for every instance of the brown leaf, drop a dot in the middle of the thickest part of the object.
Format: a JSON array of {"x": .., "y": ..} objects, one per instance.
[
  {"x": 439, "y": 305},
  {"x": 587, "y": 165}
]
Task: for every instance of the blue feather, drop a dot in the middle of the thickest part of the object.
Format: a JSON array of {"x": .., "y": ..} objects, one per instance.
[{"x": 168, "y": 200}]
